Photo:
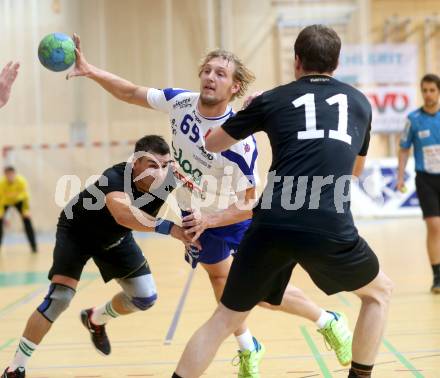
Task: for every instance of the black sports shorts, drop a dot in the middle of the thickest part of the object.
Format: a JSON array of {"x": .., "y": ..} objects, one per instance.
[
  {"x": 428, "y": 191},
  {"x": 263, "y": 265},
  {"x": 71, "y": 253}
]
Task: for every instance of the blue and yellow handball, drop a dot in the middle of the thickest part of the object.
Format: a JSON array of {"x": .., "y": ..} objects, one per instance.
[{"x": 57, "y": 52}]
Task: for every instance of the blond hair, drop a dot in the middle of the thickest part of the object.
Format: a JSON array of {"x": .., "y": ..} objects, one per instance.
[{"x": 242, "y": 75}]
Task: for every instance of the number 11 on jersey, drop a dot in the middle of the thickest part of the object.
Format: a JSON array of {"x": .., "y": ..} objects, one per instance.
[{"x": 311, "y": 132}]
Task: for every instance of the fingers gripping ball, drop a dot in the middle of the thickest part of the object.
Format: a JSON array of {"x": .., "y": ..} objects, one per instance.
[{"x": 56, "y": 52}]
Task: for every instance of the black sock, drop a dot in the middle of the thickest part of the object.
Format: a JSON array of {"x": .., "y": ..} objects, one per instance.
[
  {"x": 30, "y": 233},
  {"x": 360, "y": 371},
  {"x": 176, "y": 376},
  {"x": 436, "y": 270},
  {"x": 1, "y": 230}
]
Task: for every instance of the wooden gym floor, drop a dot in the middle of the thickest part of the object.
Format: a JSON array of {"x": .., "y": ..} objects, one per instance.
[{"x": 149, "y": 344}]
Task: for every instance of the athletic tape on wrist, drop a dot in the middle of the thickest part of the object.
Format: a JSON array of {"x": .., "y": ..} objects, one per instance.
[{"x": 163, "y": 226}]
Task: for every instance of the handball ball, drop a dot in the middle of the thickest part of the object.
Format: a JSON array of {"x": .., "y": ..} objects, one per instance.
[{"x": 56, "y": 52}]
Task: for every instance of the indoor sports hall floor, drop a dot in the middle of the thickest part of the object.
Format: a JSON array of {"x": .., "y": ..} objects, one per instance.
[{"x": 149, "y": 344}]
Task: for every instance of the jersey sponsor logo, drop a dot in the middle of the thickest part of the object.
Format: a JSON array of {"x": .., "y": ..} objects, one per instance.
[
  {"x": 181, "y": 104},
  {"x": 424, "y": 134},
  {"x": 187, "y": 183},
  {"x": 186, "y": 165},
  {"x": 319, "y": 79},
  {"x": 201, "y": 161},
  {"x": 206, "y": 154},
  {"x": 196, "y": 117}
]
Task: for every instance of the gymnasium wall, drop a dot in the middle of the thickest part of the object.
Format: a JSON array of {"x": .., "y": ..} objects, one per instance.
[{"x": 412, "y": 22}]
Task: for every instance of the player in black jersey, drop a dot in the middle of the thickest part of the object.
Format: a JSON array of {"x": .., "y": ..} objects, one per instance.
[
  {"x": 319, "y": 132},
  {"x": 97, "y": 224}
]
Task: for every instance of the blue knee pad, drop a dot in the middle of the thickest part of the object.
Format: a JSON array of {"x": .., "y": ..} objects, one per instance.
[
  {"x": 144, "y": 303},
  {"x": 139, "y": 292},
  {"x": 56, "y": 301}
]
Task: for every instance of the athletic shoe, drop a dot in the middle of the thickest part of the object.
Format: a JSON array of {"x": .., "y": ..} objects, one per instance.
[
  {"x": 250, "y": 361},
  {"x": 97, "y": 332},
  {"x": 337, "y": 336},
  {"x": 17, "y": 373},
  {"x": 435, "y": 289}
]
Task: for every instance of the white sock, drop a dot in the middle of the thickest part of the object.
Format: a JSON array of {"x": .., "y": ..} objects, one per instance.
[
  {"x": 23, "y": 353},
  {"x": 103, "y": 314},
  {"x": 324, "y": 318},
  {"x": 246, "y": 341}
]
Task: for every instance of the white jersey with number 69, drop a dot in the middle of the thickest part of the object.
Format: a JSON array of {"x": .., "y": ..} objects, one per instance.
[{"x": 207, "y": 181}]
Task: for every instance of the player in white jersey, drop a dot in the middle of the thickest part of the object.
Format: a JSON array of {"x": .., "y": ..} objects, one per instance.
[
  {"x": 211, "y": 183},
  {"x": 223, "y": 223},
  {"x": 189, "y": 128}
]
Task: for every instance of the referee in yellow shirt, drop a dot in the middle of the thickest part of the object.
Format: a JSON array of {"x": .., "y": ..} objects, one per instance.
[{"x": 14, "y": 192}]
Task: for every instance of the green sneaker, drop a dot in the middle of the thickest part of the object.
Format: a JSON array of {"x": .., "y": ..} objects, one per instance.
[
  {"x": 249, "y": 361},
  {"x": 337, "y": 336}
]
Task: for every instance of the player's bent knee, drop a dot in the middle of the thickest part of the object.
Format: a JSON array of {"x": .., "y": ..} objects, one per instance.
[
  {"x": 387, "y": 287},
  {"x": 56, "y": 301},
  {"x": 378, "y": 291},
  {"x": 144, "y": 303}
]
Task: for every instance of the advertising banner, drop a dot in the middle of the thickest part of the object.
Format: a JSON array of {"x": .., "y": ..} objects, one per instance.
[
  {"x": 388, "y": 75},
  {"x": 374, "y": 195}
]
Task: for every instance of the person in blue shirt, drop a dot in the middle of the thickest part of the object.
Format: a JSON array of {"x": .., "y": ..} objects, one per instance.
[{"x": 422, "y": 131}]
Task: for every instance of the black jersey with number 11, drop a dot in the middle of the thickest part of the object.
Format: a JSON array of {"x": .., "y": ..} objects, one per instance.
[{"x": 317, "y": 126}]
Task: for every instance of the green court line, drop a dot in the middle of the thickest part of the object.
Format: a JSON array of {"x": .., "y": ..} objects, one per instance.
[
  {"x": 316, "y": 354},
  {"x": 7, "y": 343},
  {"x": 393, "y": 350},
  {"x": 402, "y": 359},
  {"x": 12, "y": 304},
  {"x": 24, "y": 297},
  {"x": 8, "y": 279}
]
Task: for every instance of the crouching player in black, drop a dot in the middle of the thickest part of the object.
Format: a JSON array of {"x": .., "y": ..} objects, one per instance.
[{"x": 97, "y": 224}]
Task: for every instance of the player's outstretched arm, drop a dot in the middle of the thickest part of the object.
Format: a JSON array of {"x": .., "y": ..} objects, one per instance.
[
  {"x": 129, "y": 216},
  {"x": 7, "y": 77},
  {"x": 122, "y": 89}
]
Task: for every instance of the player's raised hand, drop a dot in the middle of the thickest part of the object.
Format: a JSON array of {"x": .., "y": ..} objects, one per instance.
[
  {"x": 250, "y": 98},
  {"x": 82, "y": 67},
  {"x": 7, "y": 77},
  {"x": 195, "y": 224}
]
